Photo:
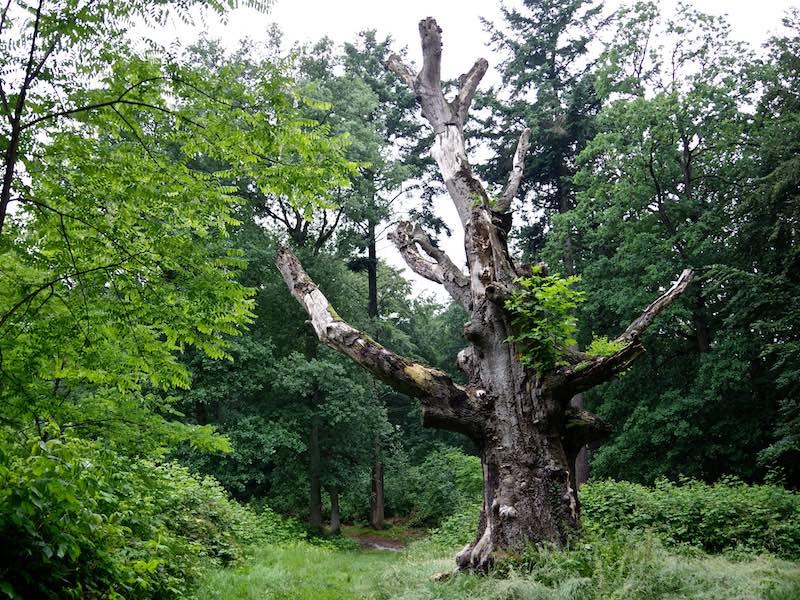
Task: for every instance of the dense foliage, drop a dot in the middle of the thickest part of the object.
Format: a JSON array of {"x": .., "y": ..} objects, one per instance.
[
  {"x": 671, "y": 146},
  {"x": 724, "y": 516},
  {"x": 615, "y": 558},
  {"x": 116, "y": 213},
  {"x": 89, "y": 522},
  {"x": 542, "y": 318}
]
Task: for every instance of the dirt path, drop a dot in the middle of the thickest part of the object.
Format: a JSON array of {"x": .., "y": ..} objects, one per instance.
[
  {"x": 371, "y": 542},
  {"x": 393, "y": 539}
]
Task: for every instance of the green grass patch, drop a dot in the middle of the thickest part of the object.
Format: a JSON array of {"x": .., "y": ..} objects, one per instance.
[
  {"x": 626, "y": 565},
  {"x": 298, "y": 571}
]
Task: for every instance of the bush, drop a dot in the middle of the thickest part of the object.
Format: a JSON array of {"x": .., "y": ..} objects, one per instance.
[
  {"x": 87, "y": 522},
  {"x": 456, "y": 530},
  {"x": 445, "y": 482},
  {"x": 724, "y": 516}
]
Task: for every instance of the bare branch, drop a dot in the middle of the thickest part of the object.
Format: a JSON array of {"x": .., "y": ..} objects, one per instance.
[
  {"x": 3, "y": 16},
  {"x": 442, "y": 270},
  {"x": 485, "y": 242},
  {"x": 643, "y": 322},
  {"x": 592, "y": 372},
  {"x": 445, "y": 404},
  {"x": 515, "y": 177},
  {"x": 6, "y": 105},
  {"x": 468, "y": 84},
  {"x": 396, "y": 65},
  {"x": 34, "y": 37}
]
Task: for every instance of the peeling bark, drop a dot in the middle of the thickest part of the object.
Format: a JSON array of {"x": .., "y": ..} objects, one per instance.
[{"x": 527, "y": 433}]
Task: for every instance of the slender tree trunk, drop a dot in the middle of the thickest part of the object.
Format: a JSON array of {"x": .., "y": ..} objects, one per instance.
[
  {"x": 376, "y": 499},
  {"x": 9, "y": 164},
  {"x": 376, "y": 509},
  {"x": 336, "y": 523},
  {"x": 315, "y": 498},
  {"x": 372, "y": 271},
  {"x": 702, "y": 333}
]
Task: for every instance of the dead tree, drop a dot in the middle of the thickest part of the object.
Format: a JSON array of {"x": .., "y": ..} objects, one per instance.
[{"x": 521, "y": 421}]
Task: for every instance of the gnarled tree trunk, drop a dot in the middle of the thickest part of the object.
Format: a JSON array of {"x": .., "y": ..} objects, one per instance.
[{"x": 522, "y": 422}]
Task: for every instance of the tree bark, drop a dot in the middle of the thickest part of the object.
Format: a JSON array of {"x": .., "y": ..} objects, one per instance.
[
  {"x": 581, "y": 470},
  {"x": 314, "y": 472},
  {"x": 372, "y": 271},
  {"x": 376, "y": 512},
  {"x": 376, "y": 499},
  {"x": 521, "y": 421},
  {"x": 336, "y": 522}
]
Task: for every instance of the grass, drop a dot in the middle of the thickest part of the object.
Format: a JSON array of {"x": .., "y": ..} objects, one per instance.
[
  {"x": 299, "y": 571},
  {"x": 629, "y": 566}
]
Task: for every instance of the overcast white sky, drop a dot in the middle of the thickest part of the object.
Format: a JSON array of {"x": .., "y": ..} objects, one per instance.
[{"x": 464, "y": 41}]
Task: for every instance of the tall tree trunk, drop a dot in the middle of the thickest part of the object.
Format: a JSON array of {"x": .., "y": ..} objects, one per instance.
[
  {"x": 336, "y": 522},
  {"x": 372, "y": 271},
  {"x": 522, "y": 422},
  {"x": 376, "y": 499},
  {"x": 376, "y": 505},
  {"x": 314, "y": 471},
  {"x": 528, "y": 493}
]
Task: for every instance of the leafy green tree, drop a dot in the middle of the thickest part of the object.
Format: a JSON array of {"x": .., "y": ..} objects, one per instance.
[
  {"x": 375, "y": 112},
  {"x": 115, "y": 248},
  {"x": 116, "y": 258},
  {"x": 661, "y": 181},
  {"x": 765, "y": 277},
  {"x": 548, "y": 86}
]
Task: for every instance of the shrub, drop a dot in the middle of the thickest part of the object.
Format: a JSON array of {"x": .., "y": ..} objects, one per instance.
[
  {"x": 441, "y": 486},
  {"x": 457, "y": 529},
  {"x": 541, "y": 318},
  {"x": 87, "y": 522},
  {"x": 724, "y": 516}
]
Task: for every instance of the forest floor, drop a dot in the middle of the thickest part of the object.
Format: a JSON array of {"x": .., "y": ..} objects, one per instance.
[
  {"x": 646, "y": 570},
  {"x": 393, "y": 538}
]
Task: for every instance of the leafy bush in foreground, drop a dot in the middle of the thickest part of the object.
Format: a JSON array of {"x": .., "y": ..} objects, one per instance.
[
  {"x": 87, "y": 522},
  {"x": 728, "y": 515},
  {"x": 724, "y": 516}
]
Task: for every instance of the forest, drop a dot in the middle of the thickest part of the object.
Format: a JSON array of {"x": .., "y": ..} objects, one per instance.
[{"x": 216, "y": 382}]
